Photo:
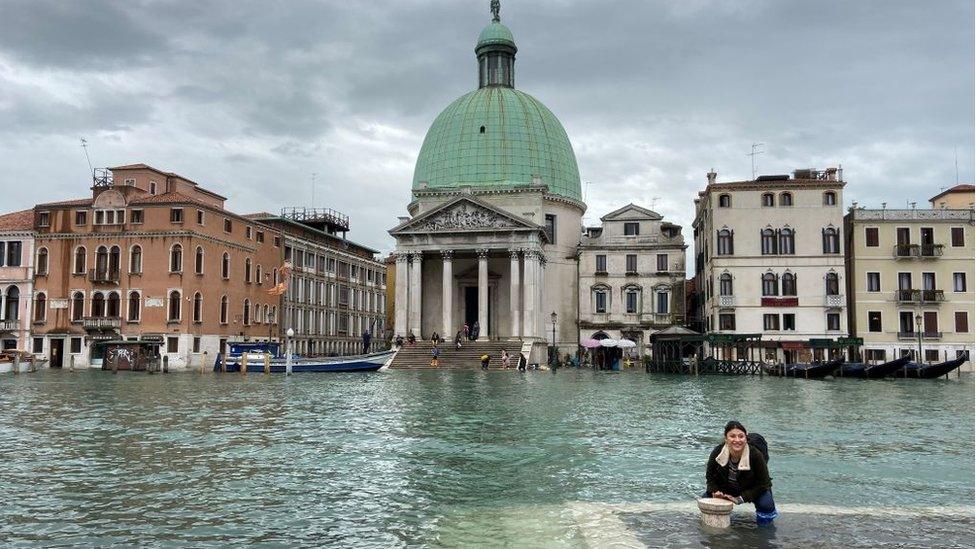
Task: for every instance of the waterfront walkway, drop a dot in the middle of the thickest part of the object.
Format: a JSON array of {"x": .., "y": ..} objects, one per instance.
[{"x": 468, "y": 357}]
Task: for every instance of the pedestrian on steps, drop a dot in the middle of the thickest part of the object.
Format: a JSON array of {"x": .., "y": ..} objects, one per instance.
[
  {"x": 484, "y": 361},
  {"x": 435, "y": 354},
  {"x": 505, "y": 359},
  {"x": 467, "y": 331},
  {"x": 457, "y": 341}
]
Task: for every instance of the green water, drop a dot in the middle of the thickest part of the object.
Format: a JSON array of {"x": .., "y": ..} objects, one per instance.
[{"x": 465, "y": 458}]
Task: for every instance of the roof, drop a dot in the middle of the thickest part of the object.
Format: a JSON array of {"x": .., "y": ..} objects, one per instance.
[
  {"x": 167, "y": 198},
  {"x": 964, "y": 188},
  {"x": 644, "y": 213},
  {"x": 72, "y": 202},
  {"x": 292, "y": 222},
  {"x": 495, "y": 33},
  {"x": 17, "y": 221},
  {"x": 141, "y": 166}
]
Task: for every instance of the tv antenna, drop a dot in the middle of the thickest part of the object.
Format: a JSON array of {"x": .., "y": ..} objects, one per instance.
[
  {"x": 955, "y": 154},
  {"x": 756, "y": 150},
  {"x": 84, "y": 145},
  {"x": 313, "y": 188},
  {"x": 586, "y": 188},
  {"x": 654, "y": 202}
]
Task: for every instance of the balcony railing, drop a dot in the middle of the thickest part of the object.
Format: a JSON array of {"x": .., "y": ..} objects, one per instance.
[
  {"x": 101, "y": 322},
  {"x": 833, "y": 301},
  {"x": 907, "y": 335},
  {"x": 104, "y": 276},
  {"x": 11, "y": 325},
  {"x": 905, "y": 296},
  {"x": 930, "y": 250},
  {"x": 905, "y": 250},
  {"x": 931, "y": 335},
  {"x": 914, "y": 335},
  {"x": 931, "y": 296},
  {"x": 726, "y": 301}
]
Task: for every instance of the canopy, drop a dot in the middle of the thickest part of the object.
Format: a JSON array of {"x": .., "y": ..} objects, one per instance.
[
  {"x": 590, "y": 343},
  {"x": 608, "y": 342},
  {"x": 626, "y": 344}
]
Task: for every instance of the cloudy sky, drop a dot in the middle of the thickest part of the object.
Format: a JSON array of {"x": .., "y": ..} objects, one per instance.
[{"x": 251, "y": 98}]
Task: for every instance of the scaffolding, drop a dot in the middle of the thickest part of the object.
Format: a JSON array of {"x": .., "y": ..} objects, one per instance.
[{"x": 323, "y": 219}]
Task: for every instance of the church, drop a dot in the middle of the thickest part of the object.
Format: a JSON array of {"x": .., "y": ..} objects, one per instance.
[{"x": 495, "y": 217}]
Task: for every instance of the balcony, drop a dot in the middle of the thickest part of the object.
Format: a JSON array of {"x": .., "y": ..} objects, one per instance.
[
  {"x": 834, "y": 301},
  {"x": 905, "y": 296},
  {"x": 930, "y": 251},
  {"x": 928, "y": 297},
  {"x": 11, "y": 325},
  {"x": 907, "y": 335},
  {"x": 905, "y": 251},
  {"x": 101, "y": 322},
  {"x": 600, "y": 272},
  {"x": 726, "y": 301},
  {"x": 931, "y": 296},
  {"x": 104, "y": 276}
]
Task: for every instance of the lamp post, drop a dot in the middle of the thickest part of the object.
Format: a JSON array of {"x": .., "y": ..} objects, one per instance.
[
  {"x": 553, "y": 359},
  {"x": 918, "y": 331},
  {"x": 288, "y": 335}
]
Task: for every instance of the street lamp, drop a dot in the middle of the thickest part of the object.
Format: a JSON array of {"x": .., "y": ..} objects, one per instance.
[
  {"x": 289, "y": 334},
  {"x": 553, "y": 358},
  {"x": 918, "y": 330}
]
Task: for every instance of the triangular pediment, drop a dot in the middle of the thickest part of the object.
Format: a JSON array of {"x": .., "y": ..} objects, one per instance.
[
  {"x": 632, "y": 212},
  {"x": 464, "y": 214}
]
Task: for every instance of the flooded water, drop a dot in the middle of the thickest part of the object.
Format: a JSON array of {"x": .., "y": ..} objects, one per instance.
[{"x": 448, "y": 459}]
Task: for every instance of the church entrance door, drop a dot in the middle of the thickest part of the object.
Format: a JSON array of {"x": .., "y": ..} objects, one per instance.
[{"x": 471, "y": 308}]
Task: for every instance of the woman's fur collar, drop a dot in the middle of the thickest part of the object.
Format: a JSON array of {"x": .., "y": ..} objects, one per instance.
[{"x": 723, "y": 457}]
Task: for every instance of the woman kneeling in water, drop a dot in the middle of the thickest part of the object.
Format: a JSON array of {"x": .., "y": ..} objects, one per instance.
[{"x": 737, "y": 471}]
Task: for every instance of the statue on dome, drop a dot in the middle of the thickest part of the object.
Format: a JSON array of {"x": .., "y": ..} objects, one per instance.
[{"x": 496, "y": 6}]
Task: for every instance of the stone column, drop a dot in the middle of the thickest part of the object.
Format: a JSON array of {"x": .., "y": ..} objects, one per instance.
[
  {"x": 447, "y": 296},
  {"x": 514, "y": 297},
  {"x": 483, "y": 295},
  {"x": 541, "y": 313},
  {"x": 400, "y": 305},
  {"x": 529, "y": 294},
  {"x": 416, "y": 282}
]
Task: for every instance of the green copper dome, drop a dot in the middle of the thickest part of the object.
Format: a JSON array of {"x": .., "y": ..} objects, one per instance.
[{"x": 495, "y": 33}]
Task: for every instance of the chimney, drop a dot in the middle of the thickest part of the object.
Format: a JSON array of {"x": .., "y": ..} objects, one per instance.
[{"x": 711, "y": 176}]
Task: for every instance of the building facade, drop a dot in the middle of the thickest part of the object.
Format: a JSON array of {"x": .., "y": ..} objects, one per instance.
[
  {"x": 151, "y": 256},
  {"x": 631, "y": 276},
  {"x": 769, "y": 260},
  {"x": 910, "y": 277},
  {"x": 16, "y": 279},
  {"x": 337, "y": 288}
]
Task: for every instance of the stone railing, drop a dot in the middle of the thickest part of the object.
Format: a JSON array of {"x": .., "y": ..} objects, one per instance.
[
  {"x": 10, "y": 325},
  {"x": 101, "y": 322},
  {"x": 833, "y": 301},
  {"x": 913, "y": 214},
  {"x": 726, "y": 301}
]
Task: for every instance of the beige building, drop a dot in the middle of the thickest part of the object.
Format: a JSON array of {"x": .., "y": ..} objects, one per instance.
[
  {"x": 631, "y": 276},
  {"x": 769, "y": 261},
  {"x": 910, "y": 274}
]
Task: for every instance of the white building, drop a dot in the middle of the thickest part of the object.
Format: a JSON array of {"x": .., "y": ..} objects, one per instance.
[
  {"x": 631, "y": 276},
  {"x": 770, "y": 260}
]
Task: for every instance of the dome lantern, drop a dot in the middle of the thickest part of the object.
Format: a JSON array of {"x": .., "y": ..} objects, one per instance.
[{"x": 496, "y": 52}]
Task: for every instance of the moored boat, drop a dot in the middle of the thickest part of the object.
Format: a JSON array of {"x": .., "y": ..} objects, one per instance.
[
  {"x": 874, "y": 371},
  {"x": 814, "y": 370},
  {"x": 932, "y": 371},
  {"x": 256, "y": 363}
]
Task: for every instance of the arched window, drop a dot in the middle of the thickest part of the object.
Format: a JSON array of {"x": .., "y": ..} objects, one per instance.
[
  {"x": 135, "y": 259},
  {"x": 785, "y": 199},
  {"x": 266, "y": 317},
  {"x": 724, "y": 201},
  {"x": 225, "y": 266},
  {"x": 789, "y": 284},
  {"x": 176, "y": 259},
  {"x": 101, "y": 261},
  {"x": 257, "y": 313},
  {"x": 768, "y": 200},
  {"x": 274, "y": 314},
  {"x": 259, "y": 274},
  {"x": 11, "y": 310},
  {"x": 632, "y": 295},
  {"x": 601, "y": 299},
  {"x": 113, "y": 306},
  {"x": 725, "y": 245},
  {"x": 135, "y": 307},
  {"x": 198, "y": 261},
  {"x": 197, "y": 307},
  {"x": 247, "y": 312},
  {"x": 662, "y": 301},
  {"x": 274, "y": 276},
  {"x": 80, "y": 263},
  {"x": 223, "y": 310},
  {"x": 786, "y": 242},
  {"x": 41, "y": 265},
  {"x": 767, "y": 238},
  {"x": 40, "y": 307},
  {"x": 725, "y": 284},
  {"x": 770, "y": 285},
  {"x": 175, "y": 309},
  {"x": 247, "y": 270},
  {"x": 77, "y": 306},
  {"x": 98, "y": 305},
  {"x": 831, "y": 241},
  {"x": 830, "y": 198},
  {"x": 114, "y": 262},
  {"x": 832, "y": 284}
]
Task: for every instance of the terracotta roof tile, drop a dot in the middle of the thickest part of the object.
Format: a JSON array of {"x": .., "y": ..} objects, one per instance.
[
  {"x": 963, "y": 188},
  {"x": 167, "y": 198},
  {"x": 17, "y": 221},
  {"x": 73, "y": 202}
]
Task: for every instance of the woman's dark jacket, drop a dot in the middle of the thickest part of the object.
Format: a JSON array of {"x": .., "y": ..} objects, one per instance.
[{"x": 752, "y": 483}]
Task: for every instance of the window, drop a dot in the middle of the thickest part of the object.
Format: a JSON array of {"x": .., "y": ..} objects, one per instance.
[
  {"x": 958, "y": 237},
  {"x": 662, "y": 263},
  {"x": 81, "y": 217},
  {"x": 906, "y": 322},
  {"x": 174, "y": 308},
  {"x": 200, "y": 217},
  {"x": 958, "y": 282},
  {"x": 871, "y": 237},
  {"x": 135, "y": 216},
  {"x": 152, "y": 187},
  {"x": 228, "y": 226},
  {"x": 12, "y": 307},
  {"x": 786, "y": 242},
  {"x": 905, "y": 281},
  {"x": 77, "y": 306},
  {"x": 135, "y": 259},
  {"x": 830, "y": 198},
  {"x": 98, "y": 305},
  {"x": 601, "y": 263},
  {"x": 247, "y": 270},
  {"x": 768, "y": 200},
  {"x": 13, "y": 253},
  {"x": 725, "y": 201},
  {"x": 931, "y": 355},
  {"x": 277, "y": 241},
  {"x": 259, "y": 275},
  {"x": 930, "y": 322},
  {"x": 726, "y": 321},
  {"x": 44, "y": 219},
  {"x": 767, "y": 239},
  {"x": 247, "y": 232},
  {"x": 771, "y": 322},
  {"x": 875, "y": 355},
  {"x": 831, "y": 241},
  {"x": 662, "y": 302},
  {"x": 832, "y": 284},
  {"x": 789, "y": 284},
  {"x": 785, "y": 199},
  {"x": 874, "y": 282},
  {"x": 247, "y": 312},
  {"x": 789, "y": 321},
  {"x": 770, "y": 286},
  {"x": 196, "y": 344},
  {"x": 172, "y": 344},
  {"x": 113, "y": 306},
  {"x": 833, "y": 321},
  {"x": 725, "y": 244},
  {"x": 40, "y": 307},
  {"x": 75, "y": 345},
  {"x": 259, "y": 236},
  {"x": 903, "y": 235},
  {"x": 41, "y": 268},
  {"x": 928, "y": 281},
  {"x": 962, "y": 322},
  {"x": 38, "y": 345},
  {"x": 80, "y": 256},
  {"x": 725, "y": 284},
  {"x": 631, "y": 228},
  {"x": 135, "y": 307},
  {"x": 631, "y": 263},
  {"x": 223, "y": 310},
  {"x": 225, "y": 266},
  {"x": 197, "y": 308},
  {"x": 176, "y": 259},
  {"x": 176, "y": 215},
  {"x": 632, "y": 295},
  {"x": 600, "y": 300}
]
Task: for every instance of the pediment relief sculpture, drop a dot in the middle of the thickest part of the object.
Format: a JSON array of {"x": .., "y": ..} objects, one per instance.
[{"x": 464, "y": 215}]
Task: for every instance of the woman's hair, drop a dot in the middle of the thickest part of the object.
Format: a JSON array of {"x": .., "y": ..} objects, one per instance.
[{"x": 735, "y": 425}]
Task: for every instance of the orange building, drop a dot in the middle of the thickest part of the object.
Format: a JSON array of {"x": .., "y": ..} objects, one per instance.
[{"x": 150, "y": 257}]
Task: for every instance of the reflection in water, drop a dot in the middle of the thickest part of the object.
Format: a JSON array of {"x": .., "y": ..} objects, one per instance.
[{"x": 460, "y": 458}]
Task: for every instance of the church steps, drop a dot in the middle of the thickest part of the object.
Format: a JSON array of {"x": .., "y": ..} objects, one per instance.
[{"x": 468, "y": 357}]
